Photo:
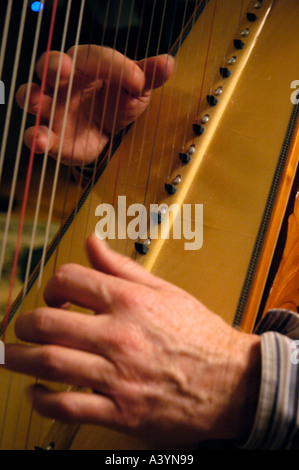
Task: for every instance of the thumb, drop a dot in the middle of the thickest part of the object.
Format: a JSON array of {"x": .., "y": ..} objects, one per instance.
[
  {"x": 157, "y": 70},
  {"x": 110, "y": 262}
]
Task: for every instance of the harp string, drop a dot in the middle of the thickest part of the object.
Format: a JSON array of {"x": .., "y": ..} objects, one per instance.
[
  {"x": 115, "y": 115},
  {"x": 192, "y": 92},
  {"x": 119, "y": 93},
  {"x": 206, "y": 64},
  {"x": 75, "y": 135},
  {"x": 60, "y": 150},
  {"x": 120, "y": 153},
  {"x": 133, "y": 139},
  {"x": 16, "y": 169},
  {"x": 105, "y": 176},
  {"x": 5, "y": 35},
  {"x": 105, "y": 106},
  {"x": 28, "y": 179},
  {"x": 105, "y": 111},
  {"x": 122, "y": 133},
  {"x": 90, "y": 121},
  {"x": 13, "y": 86},
  {"x": 81, "y": 174},
  {"x": 241, "y": 14},
  {"x": 158, "y": 114},
  {"x": 163, "y": 16},
  {"x": 173, "y": 157},
  {"x": 216, "y": 60},
  {"x": 98, "y": 160},
  {"x": 154, "y": 71},
  {"x": 224, "y": 61},
  {"x": 39, "y": 196},
  {"x": 46, "y": 153},
  {"x": 20, "y": 142},
  {"x": 59, "y": 157},
  {"x": 129, "y": 28},
  {"x": 145, "y": 125},
  {"x": 6, "y": 129},
  {"x": 29, "y": 170}
]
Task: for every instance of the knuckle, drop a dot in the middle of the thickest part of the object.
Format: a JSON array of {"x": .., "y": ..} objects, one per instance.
[
  {"x": 131, "y": 298},
  {"x": 62, "y": 274},
  {"x": 131, "y": 414},
  {"x": 128, "y": 341}
]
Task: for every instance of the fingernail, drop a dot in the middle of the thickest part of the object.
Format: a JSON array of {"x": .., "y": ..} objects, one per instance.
[{"x": 170, "y": 58}]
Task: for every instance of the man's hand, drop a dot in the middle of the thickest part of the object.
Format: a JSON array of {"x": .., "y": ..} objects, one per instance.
[
  {"x": 159, "y": 363},
  {"x": 109, "y": 92}
]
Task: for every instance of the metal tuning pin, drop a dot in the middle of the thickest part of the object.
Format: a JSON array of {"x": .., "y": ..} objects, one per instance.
[
  {"x": 172, "y": 188},
  {"x": 158, "y": 216},
  {"x": 251, "y": 17},
  {"x": 245, "y": 32},
  {"x": 218, "y": 91},
  {"x": 143, "y": 247},
  {"x": 204, "y": 120},
  {"x": 232, "y": 60},
  {"x": 177, "y": 180},
  {"x": 186, "y": 157},
  {"x": 258, "y": 5}
]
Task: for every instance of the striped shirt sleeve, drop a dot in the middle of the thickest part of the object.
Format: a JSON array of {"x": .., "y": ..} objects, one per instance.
[{"x": 276, "y": 423}]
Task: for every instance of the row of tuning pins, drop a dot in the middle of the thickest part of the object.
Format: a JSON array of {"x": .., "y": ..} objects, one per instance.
[
  {"x": 199, "y": 127},
  {"x": 213, "y": 100}
]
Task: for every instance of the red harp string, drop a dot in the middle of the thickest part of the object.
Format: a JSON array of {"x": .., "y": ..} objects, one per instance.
[{"x": 29, "y": 170}]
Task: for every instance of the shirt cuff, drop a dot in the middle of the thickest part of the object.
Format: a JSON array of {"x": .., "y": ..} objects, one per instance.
[{"x": 277, "y": 418}]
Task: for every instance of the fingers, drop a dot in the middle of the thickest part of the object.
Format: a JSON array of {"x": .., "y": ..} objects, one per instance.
[
  {"x": 157, "y": 70},
  {"x": 84, "y": 287},
  {"x": 75, "y": 407},
  {"x": 108, "y": 64},
  {"x": 64, "y": 328},
  {"x": 72, "y": 152},
  {"x": 58, "y": 62},
  {"x": 35, "y": 102},
  {"x": 45, "y": 139},
  {"x": 110, "y": 262},
  {"x": 64, "y": 365}
]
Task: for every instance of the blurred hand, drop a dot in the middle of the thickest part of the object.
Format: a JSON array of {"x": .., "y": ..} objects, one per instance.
[
  {"x": 109, "y": 92},
  {"x": 163, "y": 366}
]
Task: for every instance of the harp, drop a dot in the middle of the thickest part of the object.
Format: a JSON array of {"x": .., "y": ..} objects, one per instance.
[{"x": 222, "y": 133}]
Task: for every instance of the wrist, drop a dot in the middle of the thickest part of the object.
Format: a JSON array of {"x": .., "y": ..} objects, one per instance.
[{"x": 245, "y": 385}]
